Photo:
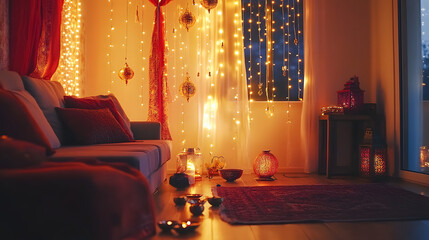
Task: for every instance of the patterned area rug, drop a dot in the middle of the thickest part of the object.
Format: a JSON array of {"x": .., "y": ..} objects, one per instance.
[{"x": 319, "y": 203}]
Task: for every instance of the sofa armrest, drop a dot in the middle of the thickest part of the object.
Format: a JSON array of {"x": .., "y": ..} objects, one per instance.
[{"x": 146, "y": 130}]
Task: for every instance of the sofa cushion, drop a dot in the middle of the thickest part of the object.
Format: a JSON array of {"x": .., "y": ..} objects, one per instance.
[
  {"x": 16, "y": 121},
  {"x": 10, "y": 81},
  {"x": 118, "y": 107},
  {"x": 38, "y": 116},
  {"x": 91, "y": 126},
  {"x": 90, "y": 103},
  {"x": 146, "y": 156},
  {"x": 20, "y": 154},
  {"x": 48, "y": 95}
]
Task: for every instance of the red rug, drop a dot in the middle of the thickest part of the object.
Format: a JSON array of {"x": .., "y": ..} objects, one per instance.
[{"x": 319, "y": 203}]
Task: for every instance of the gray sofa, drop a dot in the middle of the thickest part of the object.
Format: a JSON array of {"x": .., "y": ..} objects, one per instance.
[{"x": 148, "y": 153}]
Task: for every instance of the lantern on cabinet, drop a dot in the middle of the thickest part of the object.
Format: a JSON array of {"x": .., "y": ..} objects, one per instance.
[
  {"x": 372, "y": 160},
  {"x": 265, "y": 166},
  {"x": 351, "y": 97},
  {"x": 190, "y": 162}
]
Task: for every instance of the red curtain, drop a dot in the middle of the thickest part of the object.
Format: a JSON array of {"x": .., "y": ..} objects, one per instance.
[
  {"x": 34, "y": 38},
  {"x": 158, "y": 110}
]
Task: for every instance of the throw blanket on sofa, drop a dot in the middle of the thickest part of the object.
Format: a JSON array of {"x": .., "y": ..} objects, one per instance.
[{"x": 76, "y": 200}]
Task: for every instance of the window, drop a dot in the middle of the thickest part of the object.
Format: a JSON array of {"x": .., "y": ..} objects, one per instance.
[
  {"x": 274, "y": 49},
  {"x": 414, "y": 60}
]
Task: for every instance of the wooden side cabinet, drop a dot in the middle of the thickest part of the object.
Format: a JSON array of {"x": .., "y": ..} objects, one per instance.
[{"x": 339, "y": 139}]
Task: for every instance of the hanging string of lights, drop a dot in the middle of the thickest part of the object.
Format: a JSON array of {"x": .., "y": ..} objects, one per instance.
[
  {"x": 286, "y": 64},
  {"x": 69, "y": 67},
  {"x": 109, "y": 51}
]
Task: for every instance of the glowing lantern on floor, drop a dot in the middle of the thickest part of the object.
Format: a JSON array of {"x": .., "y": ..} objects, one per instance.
[
  {"x": 265, "y": 165},
  {"x": 372, "y": 161},
  {"x": 351, "y": 97},
  {"x": 190, "y": 162}
]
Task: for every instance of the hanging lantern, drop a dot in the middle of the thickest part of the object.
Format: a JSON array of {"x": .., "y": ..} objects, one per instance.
[
  {"x": 126, "y": 73},
  {"x": 187, "y": 19},
  {"x": 265, "y": 165},
  {"x": 187, "y": 88},
  {"x": 209, "y": 4}
]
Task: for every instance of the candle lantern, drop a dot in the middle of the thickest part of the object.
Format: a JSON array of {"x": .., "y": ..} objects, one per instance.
[
  {"x": 190, "y": 162},
  {"x": 265, "y": 165},
  {"x": 373, "y": 160},
  {"x": 424, "y": 157},
  {"x": 351, "y": 97}
]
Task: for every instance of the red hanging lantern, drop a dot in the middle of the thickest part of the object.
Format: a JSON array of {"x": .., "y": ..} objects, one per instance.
[
  {"x": 351, "y": 97},
  {"x": 209, "y": 4},
  {"x": 265, "y": 165}
]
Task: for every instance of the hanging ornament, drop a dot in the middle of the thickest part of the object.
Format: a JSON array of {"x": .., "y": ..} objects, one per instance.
[
  {"x": 126, "y": 73},
  {"x": 187, "y": 19},
  {"x": 209, "y": 4},
  {"x": 187, "y": 88}
]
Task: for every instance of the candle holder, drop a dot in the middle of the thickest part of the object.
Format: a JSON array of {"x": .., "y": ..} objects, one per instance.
[{"x": 186, "y": 227}]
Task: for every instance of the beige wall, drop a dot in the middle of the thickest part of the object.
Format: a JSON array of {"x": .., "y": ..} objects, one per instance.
[{"x": 357, "y": 39}]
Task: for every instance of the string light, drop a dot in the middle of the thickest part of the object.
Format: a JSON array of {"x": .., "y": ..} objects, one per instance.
[
  {"x": 69, "y": 64},
  {"x": 286, "y": 64},
  {"x": 110, "y": 49}
]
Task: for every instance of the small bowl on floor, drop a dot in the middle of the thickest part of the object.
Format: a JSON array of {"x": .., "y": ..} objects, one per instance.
[
  {"x": 193, "y": 198},
  {"x": 180, "y": 200},
  {"x": 186, "y": 227},
  {"x": 215, "y": 201},
  {"x": 167, "y": 225},
  {"x": 230, "y": 175}
]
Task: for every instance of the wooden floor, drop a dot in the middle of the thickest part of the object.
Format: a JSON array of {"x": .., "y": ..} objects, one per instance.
[{"x": 212, "y": 227}]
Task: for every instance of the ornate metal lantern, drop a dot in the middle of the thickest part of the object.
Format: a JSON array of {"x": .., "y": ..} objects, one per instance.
[
  {"x": 187, "y": 88},
  {"x": 126, "y": 73},
  {"x": 351, "y": 97},
  {"x": 209, "y": 4},
  {"x": 187, "y": 19},
  {"x": 190, "y": 162}
]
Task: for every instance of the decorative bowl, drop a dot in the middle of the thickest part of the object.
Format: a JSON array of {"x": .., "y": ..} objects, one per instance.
[
  {"x": 231, "y": 175},
  {"x": 167, "y": 225},
  {"x": 215, "y": 201},
  {"x": 193, "y": 198},
  {"x": 180, "y": 200},
  {"x": 197, "y": 209},
  {"x": 186, "y": 227}
]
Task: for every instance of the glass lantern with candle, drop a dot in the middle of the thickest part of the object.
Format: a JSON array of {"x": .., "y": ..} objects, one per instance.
[{"x": 190, "y": 162}]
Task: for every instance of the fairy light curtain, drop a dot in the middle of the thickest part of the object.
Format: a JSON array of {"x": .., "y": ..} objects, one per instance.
[
  {"x": 274, "y": 48},
  {"x": 4, "y": 34},
  {"x": 158, "y": 93},
  {"x": 37, "y": 54},
  {"x": 224, "y": 118}
]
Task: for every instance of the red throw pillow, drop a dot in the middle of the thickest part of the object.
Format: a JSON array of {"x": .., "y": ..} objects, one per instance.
[
  {"x": 91, "y": 103},
  {"x": 91, "y": 126},
  {"x": 20, "y": 154},
  {"x": 16, "y": 122}
]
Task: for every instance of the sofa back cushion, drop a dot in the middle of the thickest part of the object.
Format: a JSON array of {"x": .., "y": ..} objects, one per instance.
[
  {"x": 48, "y": 95},
  {"x": 92, "y": 126},
  {"x": 94, "y": 103},
  {"x": 17, "y": 122},
  {"x": 12, "y": 82}
]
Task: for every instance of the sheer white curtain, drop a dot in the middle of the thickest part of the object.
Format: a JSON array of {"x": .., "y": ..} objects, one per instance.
[
  {"x": 223, "y": 108},
  {"x": 4, "y": 34},
  {"x": 313, "y": 89}
]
